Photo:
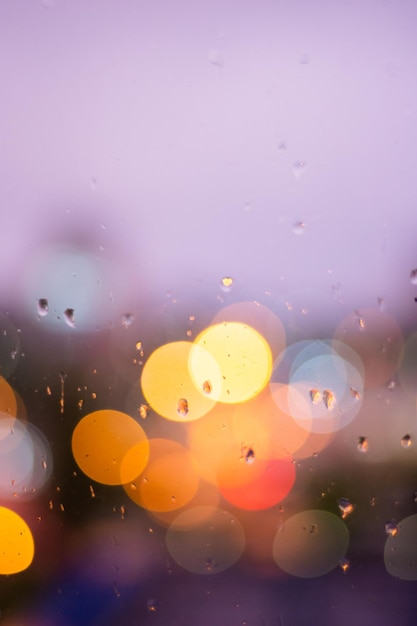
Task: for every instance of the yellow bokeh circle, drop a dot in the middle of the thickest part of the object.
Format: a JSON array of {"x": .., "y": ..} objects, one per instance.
[
  {"x": 243, "y": 357},
  {"x": 110, "y": 447},
  {"x": 17, "y": 547},
  {"x": 169, "y": 388}
]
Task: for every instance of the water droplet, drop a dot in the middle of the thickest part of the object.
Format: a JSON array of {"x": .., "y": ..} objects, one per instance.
[
  {"x": 127, "y": 319},
  {"x": 69, "y": 317},
  {"x": 298, "y": 169},
  {"x": 406, "y": 441},
  {"x": 344, "y": 564},
  {"x": 138, "y": 345},
  {"x": 315, "y": 396},
  {"x": 182, "y": 407},
  {"x": 413, "y": 277},
  {"x": 355, "y": 394},
  {"x": 329, "y": 399},
  {"x": 43, "y": 307},
  {"x": 210, "y": 565},
  {"x": 391, "y": 385},
  {"x": 391, "y": 529},
  {"x": 304, "y": 59},
  {"x": 153, "y": 605},
  {"x": 215, "y": 58},
  {"x": 363, "y": 444},
  {"x": 207, "y": 387},
  {"x": 345, "y": 506},
  {"x": 144, "y": 410},
  {"x": 248, "y": 454},
  {"x": 92, "y": 492},
  {"x": 359, "y": 321},
  {"x": 226, "y": 284},
  {"x": 298, "y": 228},
  {"x": 282, "y": 145},
  {"x": 44, "y": 465},
  {"x": 381, "y": 304}
]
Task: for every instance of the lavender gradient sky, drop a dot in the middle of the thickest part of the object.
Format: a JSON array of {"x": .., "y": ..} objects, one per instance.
[{"x": 160, "y": 138}]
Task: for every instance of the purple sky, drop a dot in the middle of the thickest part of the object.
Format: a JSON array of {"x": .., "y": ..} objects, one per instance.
[{"x": 159, "y": 139}]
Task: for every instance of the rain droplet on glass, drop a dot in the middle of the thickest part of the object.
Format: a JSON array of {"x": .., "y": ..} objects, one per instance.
[
  {"x": 226, "y": 284},
  {"x": 359, "y": 321},
  {"x": 298, "y": 169},
  {"x": 413, "y": 277},
  {"x": 43, "y": 307},
  {"x": 207, "y": 387},
  {"x": 391, "y": 529},
  {"x": 182, "y": 407},
  {"x": 127, "y": 320},
  {"x": 363, "y": 444},
  {"x": 248, "y": 454},
  {"x": 406, "y": 441},
  {"x": 153, "y": 605},
  {"x": 391, "y": 385},
  {"x": 355, "y": 394},
  {"x": 345, "y": 507},
  {"x": 344, "y": 564},
  {"x": 210, "y": 565},
  {"x": 298, "y": 228},
  {"x": 329, "y": 399},
  {"x": 144, "y": 410},
  {"x": 315, "y": 396},
  {"x": 69, "y": 317},
  {"x": 215, "y": 58}
]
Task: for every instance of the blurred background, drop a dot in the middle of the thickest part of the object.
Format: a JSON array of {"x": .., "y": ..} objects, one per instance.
[{"x": 208, "y": 305}]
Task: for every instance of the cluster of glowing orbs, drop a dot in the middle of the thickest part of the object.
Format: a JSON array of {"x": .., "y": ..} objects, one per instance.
[
  {"x": 310, "y": 543},
  {"x": 259, "y": 317},
  {"x": 110, "y": 447},
  {"x": 243, "y": 356},
  {"x": 170, "y": 389},
  {"x": 17, "y": 547},
  {"x": 25, "y": 459},
  {"x": 271, "y": 482},
  {"x": 205, "y": 540},
  {"x": 400, "y": 553},
  {"x": 377, "y": 339},
  {"x": 170, "y": 480}
]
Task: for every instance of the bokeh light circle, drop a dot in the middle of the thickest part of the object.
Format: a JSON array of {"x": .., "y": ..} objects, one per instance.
[
  {"x": 243, "y": 356},
  {"x": 110, "y": 447},
  {"x": 205, "y": 540},
  {"x": 168, "y": 386},
  {"x": 310, "y": 543},
  {"x": 333, "y": 387},
  {"x": 17, "y": 547},
  {"x": 169, "y": 481},
  {"x": 400, "y": 553},
  {"x": 25, "y": 459},
  {"x": 272, "y": 482},
  {"x": 258, "y": 317}
]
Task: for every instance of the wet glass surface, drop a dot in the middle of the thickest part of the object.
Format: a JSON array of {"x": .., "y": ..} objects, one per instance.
[{"x": 208, "y": 313}]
